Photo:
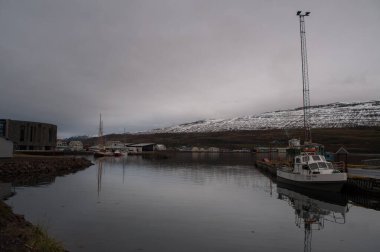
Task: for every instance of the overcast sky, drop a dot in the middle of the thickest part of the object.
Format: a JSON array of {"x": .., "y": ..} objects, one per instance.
[{"x": 146, "y": 64}]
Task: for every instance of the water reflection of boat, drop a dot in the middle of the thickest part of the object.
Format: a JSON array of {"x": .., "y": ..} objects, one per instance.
[
  {"x": 100, "y": 174},
  {"x": 313, "y": 209}
]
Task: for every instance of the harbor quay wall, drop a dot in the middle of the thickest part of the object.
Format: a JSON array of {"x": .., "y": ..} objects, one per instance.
[{"x": 16, "y": 167}]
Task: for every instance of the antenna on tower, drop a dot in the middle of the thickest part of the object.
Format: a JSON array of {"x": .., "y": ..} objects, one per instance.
[{"x": 305, "y": 78}]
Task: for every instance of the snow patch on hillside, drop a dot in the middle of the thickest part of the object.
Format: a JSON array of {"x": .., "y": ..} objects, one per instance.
[{"x": 335, "y": 115}]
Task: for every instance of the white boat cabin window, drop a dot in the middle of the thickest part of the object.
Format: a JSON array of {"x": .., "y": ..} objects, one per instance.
[
  {"x": 305, "y": 159},
  {"x": 313, "y": 166},
  {"x": 322, "y": 165},
  {"x": 298, "y": 160},
  {"x": 316, "y": 158}
]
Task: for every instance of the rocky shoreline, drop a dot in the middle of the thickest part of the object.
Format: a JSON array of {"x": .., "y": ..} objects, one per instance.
[
  {"x": 26, "y": 166},
  {"x": 16, "y": 233}
]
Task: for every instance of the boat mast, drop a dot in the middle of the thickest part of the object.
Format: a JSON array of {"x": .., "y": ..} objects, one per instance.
[
  {"x": 100, "y": 133},
  {"x": 305, "y": 78}
]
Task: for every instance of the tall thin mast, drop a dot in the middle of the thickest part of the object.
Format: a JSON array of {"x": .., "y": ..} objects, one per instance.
[
  {"x": 100, "y": 134},
  {"x": 305, "y": 78}
]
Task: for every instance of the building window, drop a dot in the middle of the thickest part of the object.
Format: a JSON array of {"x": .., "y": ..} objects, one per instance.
[
  {"x": 50, "y": 135},
  {"x": 22, "y": 133},
  {"x": 31, "y": 133},
  {"x": 2, "y": 128}
]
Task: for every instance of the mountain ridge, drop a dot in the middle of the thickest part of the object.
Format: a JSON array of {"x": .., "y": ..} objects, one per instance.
[{"x": 332, "y": 115}]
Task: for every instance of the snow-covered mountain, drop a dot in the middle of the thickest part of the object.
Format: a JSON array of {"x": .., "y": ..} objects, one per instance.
[{"x": 335, "y": 115}]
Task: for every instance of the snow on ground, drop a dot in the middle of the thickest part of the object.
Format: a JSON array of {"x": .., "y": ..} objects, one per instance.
[{"x": 335, "y": 115}]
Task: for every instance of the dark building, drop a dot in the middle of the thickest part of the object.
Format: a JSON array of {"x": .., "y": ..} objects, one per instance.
[
  {"x": 144, "y": 146},
  {"x": 29, "y": 135}
]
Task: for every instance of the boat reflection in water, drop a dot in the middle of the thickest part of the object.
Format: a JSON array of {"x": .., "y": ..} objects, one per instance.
[
  {"x": 313, "y": 209},
  {"x": 104, "y": 163}
]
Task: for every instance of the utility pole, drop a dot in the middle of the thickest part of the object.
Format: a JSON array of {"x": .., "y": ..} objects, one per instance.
[{"x": 305, "y": 78}]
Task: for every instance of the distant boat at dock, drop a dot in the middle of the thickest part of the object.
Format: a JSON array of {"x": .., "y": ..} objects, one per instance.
[
  {"x": 103, "y": 153},
  {"x": 117, "y": 153}
]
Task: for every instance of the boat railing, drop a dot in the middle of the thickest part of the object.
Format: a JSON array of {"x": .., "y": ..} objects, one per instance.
[{"x": 340, "y": 166}]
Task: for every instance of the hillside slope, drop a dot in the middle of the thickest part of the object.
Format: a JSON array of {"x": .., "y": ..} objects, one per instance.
[{"x": 335, "y": 115}]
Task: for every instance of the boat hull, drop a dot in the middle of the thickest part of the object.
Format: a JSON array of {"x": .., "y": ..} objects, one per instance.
[
  {"x": 103, "y": 154},
  {"x": 330, "y": 182},
  {"x": 117, "y": 153}
]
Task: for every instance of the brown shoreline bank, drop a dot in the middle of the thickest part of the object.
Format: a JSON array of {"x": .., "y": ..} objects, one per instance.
[{"x": 16, "y": 233}]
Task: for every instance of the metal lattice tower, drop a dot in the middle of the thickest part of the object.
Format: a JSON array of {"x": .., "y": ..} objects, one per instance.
[{"x": 305, "y": 78}]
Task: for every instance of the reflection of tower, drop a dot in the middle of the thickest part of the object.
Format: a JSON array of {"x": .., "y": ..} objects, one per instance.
[
  {"x": 123, "y": 169},
  {"x": 312, "y": 212},
  {"x": 100, "y": 173},
  {"x": 310, "y": 218}
]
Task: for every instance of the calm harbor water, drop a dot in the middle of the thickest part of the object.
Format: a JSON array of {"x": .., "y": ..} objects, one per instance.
[{"x": 193, "y": 203}]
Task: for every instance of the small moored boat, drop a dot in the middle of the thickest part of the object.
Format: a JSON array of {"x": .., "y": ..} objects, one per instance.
[
  {"x": 117, "y": 153},
  {"x": 103, "y": 153},
  {"x": 312, "y": 171}
]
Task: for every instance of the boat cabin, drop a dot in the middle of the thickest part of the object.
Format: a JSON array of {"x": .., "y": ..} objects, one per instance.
[{"x": 312, "y": 164}]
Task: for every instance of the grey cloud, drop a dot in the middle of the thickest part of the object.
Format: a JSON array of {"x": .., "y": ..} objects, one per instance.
[{"x": 147, "y": 64}]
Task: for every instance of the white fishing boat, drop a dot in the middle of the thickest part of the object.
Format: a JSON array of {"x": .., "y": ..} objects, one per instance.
[
  {"x": 312, "y": 171},
  {"x": 310, "y": 168}
]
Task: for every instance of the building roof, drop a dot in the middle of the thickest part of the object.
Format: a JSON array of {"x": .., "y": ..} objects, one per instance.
[
  {"x": 341, "y": 150},
  {"x": 30, "y": 122}
]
